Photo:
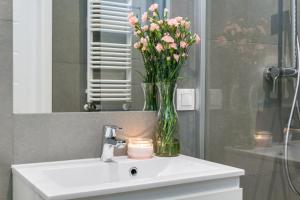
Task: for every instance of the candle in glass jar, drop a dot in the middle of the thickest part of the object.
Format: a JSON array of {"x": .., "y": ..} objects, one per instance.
[
  {"x": 263, "y": 139},
  {"x": 140, "y": 148}
]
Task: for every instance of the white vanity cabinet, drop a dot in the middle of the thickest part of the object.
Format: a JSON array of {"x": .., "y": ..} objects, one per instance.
[{"x": 178, "y": 178}]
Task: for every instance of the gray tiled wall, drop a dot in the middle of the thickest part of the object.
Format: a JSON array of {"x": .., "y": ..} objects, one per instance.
[
  {"x": 62, "y": 136},
  {"x": 69, "y": 55},
  {"x": 6, "y": 138},
  {"x": 190, "y": 74}
]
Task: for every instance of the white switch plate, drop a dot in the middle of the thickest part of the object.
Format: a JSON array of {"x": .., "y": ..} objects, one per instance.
[{"x": 185, "y": 99}]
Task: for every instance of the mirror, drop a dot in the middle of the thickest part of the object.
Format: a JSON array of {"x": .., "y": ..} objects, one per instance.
[{"x": 53, "y": 56}]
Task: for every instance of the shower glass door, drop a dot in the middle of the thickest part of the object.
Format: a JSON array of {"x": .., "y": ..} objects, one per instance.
[{"x": 246, "y": 115}]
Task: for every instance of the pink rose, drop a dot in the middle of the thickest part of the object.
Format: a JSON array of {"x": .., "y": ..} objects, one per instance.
[
  {"x": 173, "y": 46},
  {"x": 153, "y": 7},
  {"x": 154, "y": 27},
  {"x": 130, "y": 14},
  {"x": 133, "y": 20},
  {"x": 159, "y": 47},
  {"x": 176, "y": 57},
  {"x": 197, "y": 38},
  {"x": 187, "y": 25},
  {"x": 137, "y": 45},
  {"x": 182, "y": 23},
  {"x": 178, "y": 19},
  {"x": 145, "y": 17},
  {"x": 144, "y": 41},
  {"x": 183, "y": 44},
  {"x": 145, "y": 28},
  {"x": 168, "y": 39},
  {"x": 172, "y": 22}
]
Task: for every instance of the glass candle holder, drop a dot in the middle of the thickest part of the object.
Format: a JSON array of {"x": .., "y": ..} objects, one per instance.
[
  {"x": 263, "y": 139},
  {"x": 140, "y": 148}
]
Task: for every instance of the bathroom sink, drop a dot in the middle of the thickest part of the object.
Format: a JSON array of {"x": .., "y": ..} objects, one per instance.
[{"x": 90, "y": 177}]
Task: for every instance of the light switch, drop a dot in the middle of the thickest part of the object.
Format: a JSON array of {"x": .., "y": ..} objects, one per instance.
[{"x": 185, "y": 99}]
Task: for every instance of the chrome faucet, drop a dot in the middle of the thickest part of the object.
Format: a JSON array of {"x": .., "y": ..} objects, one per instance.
[{"x": 110, "y": 142}]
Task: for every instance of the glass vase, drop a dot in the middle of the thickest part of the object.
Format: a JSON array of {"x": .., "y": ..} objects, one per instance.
[
  {"x": 167, "y": 138},
  {"x": 150, "y": 96}
]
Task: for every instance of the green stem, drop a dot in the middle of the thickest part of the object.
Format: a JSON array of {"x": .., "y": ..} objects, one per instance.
[{"x": 167, "y": 120}]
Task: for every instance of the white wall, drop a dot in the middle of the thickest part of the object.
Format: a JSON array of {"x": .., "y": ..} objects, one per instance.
[{"x": 32, "y": 50}]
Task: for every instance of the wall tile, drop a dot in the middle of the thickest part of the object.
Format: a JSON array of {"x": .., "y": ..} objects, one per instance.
[
  {"x": 63, "y": 136},
  {"x": 6, "y": 182},
  {"x": 6, "y": 137},
  {"x": 82, "y": 130},
  {"x": 6, "y": 42},
  {"x": 5, "y": 91},
  {"x": 66, "y": 11},
  {"x": 137, "y": 98},
  {"x": 5, "y": 67},
  {"x": 66, "y": 87},
  {"x": 187, "y": 132},
  {"x": 64, "y": 42},
  {"x": 6, "y": 155},
  {"x": 6, "y": 125},
  {"x": 6, "y": 10},
  {"x": 31, "y": 138}
]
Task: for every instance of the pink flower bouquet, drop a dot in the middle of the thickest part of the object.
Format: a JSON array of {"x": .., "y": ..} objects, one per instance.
[{"x": 163, "y": 42}]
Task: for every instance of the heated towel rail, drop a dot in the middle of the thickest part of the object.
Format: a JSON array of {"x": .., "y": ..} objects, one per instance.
[{"x": 108, "y": 16}]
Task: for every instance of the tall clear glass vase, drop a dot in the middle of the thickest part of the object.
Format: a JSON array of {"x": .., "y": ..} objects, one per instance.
[
  {"x": 150, "y": 96},
  {"x": 167, "y": 138}
]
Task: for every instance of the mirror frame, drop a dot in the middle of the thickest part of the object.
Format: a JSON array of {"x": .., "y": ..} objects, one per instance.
[{"x": 32, "y": 33}]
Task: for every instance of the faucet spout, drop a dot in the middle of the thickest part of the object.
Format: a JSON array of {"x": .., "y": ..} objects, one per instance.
[
  {"x": 107, "y": 153},
  {"x": 110, "y": 142}
]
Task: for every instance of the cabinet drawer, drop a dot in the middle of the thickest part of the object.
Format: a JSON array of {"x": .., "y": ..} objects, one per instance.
[{"x": 236, "y": 194}]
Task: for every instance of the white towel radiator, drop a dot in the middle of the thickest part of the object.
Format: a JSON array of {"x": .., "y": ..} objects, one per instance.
[{"x": 108, "y": 16}]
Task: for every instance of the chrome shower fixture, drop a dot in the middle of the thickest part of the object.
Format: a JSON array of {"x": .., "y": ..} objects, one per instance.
[{"x": 273, "y": 73}]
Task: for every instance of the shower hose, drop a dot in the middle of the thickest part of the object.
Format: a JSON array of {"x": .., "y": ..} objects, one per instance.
[{"x": 286, "y": 139}]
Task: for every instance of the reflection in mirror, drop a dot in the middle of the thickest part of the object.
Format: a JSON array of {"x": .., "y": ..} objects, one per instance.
[
  {"x": 77, "y": 67},
  {"x": 80, "y": 70}
]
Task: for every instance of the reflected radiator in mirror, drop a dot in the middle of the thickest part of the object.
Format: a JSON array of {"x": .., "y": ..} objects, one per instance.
[{"x": 109, "y": 60}]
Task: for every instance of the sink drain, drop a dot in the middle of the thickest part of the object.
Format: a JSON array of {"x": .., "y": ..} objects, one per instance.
[{"x": 133, "y": 171}]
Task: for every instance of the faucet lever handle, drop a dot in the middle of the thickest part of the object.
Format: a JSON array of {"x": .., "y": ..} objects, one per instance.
[
  {"x": 110, "y": 131},
  {"x": 120, "y": 144},
  {"x": 272, "y": 73}
]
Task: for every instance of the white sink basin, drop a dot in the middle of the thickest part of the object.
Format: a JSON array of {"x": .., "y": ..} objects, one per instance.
[{"x": 91, "y": 177}]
